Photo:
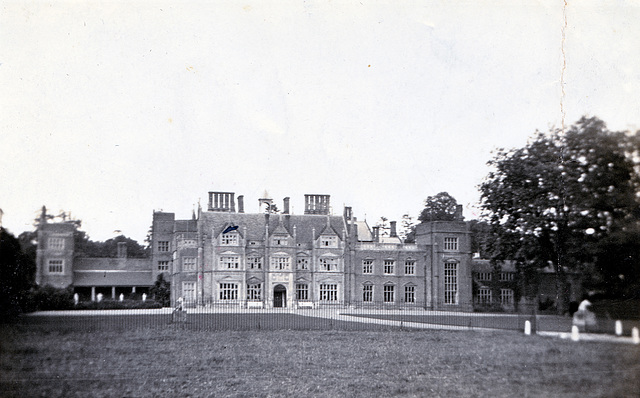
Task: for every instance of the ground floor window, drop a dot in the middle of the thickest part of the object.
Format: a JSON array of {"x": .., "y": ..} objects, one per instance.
[
  {"x": 328, "y": 292},
  {"x": 409, "y": 294},
  {"x": 389, "y": 294},
  {"x": 302, "y": 291},
  {"x": 367, "y": 293},
  {"x": 451, "y": 282},
  {"x": 506, "y": 296},
  {"x": 228, "y": 291},
  {"x": 56, "y": 266},
  {"x": 189, "y": 291},
  {"x": 484, "y": 296},
  {"x": 254, "y": 291}
]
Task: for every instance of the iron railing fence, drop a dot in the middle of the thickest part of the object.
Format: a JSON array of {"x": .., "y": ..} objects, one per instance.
[{"x": 320, "y": 316}]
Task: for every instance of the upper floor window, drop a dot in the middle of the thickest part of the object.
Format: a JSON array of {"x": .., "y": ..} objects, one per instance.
[
  {"x": 367, "y": 266},
  {"x": 56, "y": 243},
  {"x": 188, "y": 264},
  {"x": 409, "y": 267},
  {"x": 163, "y": 266},
  {"x": 389, "y": 266},
  {"x": 230, "y": 262},
  {"x": 328, "y": 241},
  {"x": 483, "y": 276},
  {"x": 56, "y": 266},
  {"x": 163, "y": 246},
  {"x": 229, "y": 239},
  {"x": 328, "y": 264},
  {"x": 254, "y": 262},
  {"x": 450, "y": 244},
  {"x": 303, "y": 263},
  {"x": 280, "y": 262},
  {"x": 506, "y": 276}
]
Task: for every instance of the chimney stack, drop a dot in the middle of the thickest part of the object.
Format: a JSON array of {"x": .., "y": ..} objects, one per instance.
[
  {"x": 376, "y": 234},
  {"x": 240, "y": 203},
  {"x": 285, "y": 208},
  {"x": 122, "y": 250},
  {"x": 458, "y": 215},
  {"x": 348, "y": 213},
  {"x": 393, "y": 233},
  {"x": 317, "y": 204}
]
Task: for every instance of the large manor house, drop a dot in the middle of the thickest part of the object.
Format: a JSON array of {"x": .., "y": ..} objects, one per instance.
[{"x": 267, "y": 259}]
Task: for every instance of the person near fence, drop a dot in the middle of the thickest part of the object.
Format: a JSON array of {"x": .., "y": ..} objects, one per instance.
[{"x": 584, "y": 318}]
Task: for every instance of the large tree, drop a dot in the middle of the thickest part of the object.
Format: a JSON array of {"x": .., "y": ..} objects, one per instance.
[
  {"x": 556, "y": 199},
  {"x": 440, "y": 207},
  {"x": 17, "y": 271}
]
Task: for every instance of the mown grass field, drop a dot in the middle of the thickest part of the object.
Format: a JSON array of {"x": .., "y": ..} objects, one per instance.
[{"x": 173, "y": 362}]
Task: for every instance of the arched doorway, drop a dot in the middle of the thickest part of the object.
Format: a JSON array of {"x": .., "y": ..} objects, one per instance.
[{"x": 279, "y": 296}]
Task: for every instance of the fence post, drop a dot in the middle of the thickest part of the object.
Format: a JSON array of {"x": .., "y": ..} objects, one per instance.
[
  {"x": 635, "y": 336},
  {"x": 527, "y": 328},
  {"x": 618, "y": 328},
  {"x": 575, "y": 333}
]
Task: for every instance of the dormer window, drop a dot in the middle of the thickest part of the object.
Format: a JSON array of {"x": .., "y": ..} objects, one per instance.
[
  {"x": 280, "y": 240},
  {"x": 328, "y": 241},
  {"x": 229, "y": 239}
]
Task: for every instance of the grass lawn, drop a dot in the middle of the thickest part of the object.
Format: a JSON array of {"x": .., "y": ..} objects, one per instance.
[{"x": 158, "y": 362}]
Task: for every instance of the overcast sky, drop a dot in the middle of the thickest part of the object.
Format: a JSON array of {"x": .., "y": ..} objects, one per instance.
[{"x": 112, "y": 110}]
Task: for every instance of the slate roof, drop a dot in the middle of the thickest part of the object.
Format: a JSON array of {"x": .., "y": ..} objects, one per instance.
[
  {"x": 112, "y": 278},
  {"x": 255, "y": 224}
]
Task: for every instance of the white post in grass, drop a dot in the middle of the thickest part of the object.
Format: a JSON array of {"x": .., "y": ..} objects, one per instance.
[
  {"x": 575, "y": 333},
  {"x": 527, "y": 328},
  {"x": 635, "y": 336},
  {"x": 618, "y": 328}
]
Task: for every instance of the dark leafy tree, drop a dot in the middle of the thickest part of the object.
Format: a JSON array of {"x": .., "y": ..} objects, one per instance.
[
  {"x": 383, "y": 224},
  {"x": 85, "y": 247},
  {"x": 17, "y": 273},
  {"x": 554, "y": 200},
  {"x": 161, "y": 291},
  {"x": 408, "y": 229},
  {"x": 441, "y": 207}
]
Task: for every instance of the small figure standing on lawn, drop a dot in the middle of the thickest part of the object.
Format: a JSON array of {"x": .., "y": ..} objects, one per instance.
[
  {"x": 144, "y": 297},
  {"x": 584, "y": 317},
  {"x": 179, "y": 304},
  {"x": 99, "y": 297},
  {"x": 76, "y": 299},
  {"x": 121, "y": 297}
]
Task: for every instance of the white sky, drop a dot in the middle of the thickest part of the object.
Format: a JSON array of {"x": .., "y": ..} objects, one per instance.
[{"x": 113, "y": 109}]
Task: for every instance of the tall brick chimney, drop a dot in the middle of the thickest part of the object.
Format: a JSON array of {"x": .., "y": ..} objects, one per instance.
[
  {"x": 393, "y": 232},
  {"x": 317, "y": 204},
  {"x": 240, "y": 203},
  {"x": 285, "y": 208}
]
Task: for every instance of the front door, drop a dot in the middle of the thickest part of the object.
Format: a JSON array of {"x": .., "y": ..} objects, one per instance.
[{"x": 279, "y": 296}]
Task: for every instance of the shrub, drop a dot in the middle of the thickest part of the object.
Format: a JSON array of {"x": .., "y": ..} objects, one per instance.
[
  {"x": 49, "y": 298},
  {"x": 118, "y": 305}
]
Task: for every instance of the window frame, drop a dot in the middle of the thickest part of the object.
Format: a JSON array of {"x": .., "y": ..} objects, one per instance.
[
  {"x": 451, "y": 244},
  {"x": 389, "y": 293},
  {"x": 389, "y": 264},
  {"x": 228, "y": 291},
  {"x": 368, "y": 268},
  {"x": 55, "y": 266},
  {"x": 410, "y": 266}
]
